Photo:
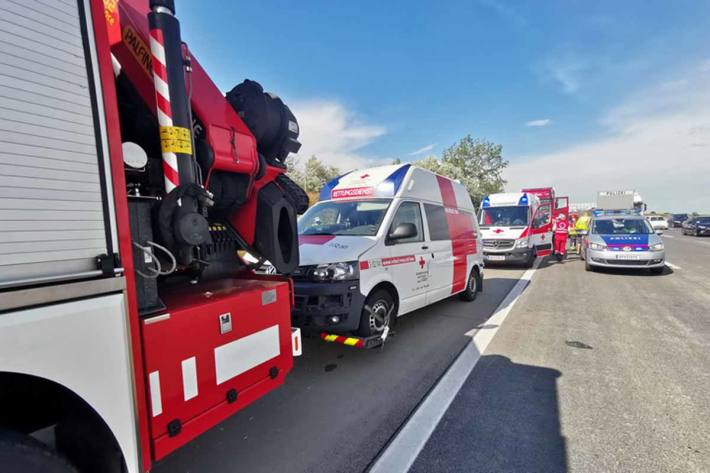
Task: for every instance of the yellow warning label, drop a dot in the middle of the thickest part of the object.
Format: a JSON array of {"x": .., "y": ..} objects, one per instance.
[
  {"x": 175, "y": 139},
  {"x": 112, "y": 23}
]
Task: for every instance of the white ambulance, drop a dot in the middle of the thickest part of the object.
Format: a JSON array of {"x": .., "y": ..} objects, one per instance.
[
  {"x": 383, "y": 242},
  {"x": 515, "y": 228}
]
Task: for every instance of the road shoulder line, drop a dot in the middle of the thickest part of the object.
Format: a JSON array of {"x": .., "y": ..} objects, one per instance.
[{"x": 405, "y": 447}]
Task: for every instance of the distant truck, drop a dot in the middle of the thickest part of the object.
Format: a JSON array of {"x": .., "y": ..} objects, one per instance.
[{"x": 620, "y": 200}]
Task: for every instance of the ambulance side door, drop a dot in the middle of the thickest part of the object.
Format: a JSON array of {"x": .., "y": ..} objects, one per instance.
[
  {"x": 541, "y": 230},
  {"x": 442, "y": 265},
  {"x": 406, "y": 259}
]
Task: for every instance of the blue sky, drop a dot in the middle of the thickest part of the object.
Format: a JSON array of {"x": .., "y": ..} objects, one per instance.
[{"x": 374, "y": 80}]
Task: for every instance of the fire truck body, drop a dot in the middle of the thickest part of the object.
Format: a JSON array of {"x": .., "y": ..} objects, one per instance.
[
  {"x": 128, "y": 324},
  {"x": 556, "y": 205}
]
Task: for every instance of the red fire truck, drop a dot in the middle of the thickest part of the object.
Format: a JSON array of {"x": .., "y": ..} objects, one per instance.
[
  {"x": 556, "y": 205},
  {"x": 129, "y": 185}
]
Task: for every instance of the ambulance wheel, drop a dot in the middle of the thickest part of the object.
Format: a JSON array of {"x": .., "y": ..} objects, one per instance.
[
  {"x": 378, "y": 312},
  {"x": 587, "y": 266},
  {"x": 23, "y": 454},
  {"x": 531, "y": 260},
  {"x": 469, "y": 294}
]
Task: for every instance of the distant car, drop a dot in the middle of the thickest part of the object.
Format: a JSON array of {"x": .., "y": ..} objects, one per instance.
[
  {"x": 658, "y": 222},
  {"x": 623, "y": 241},
  {"x": 678, "y": 220},
  {"x": 698, "y": 226}
]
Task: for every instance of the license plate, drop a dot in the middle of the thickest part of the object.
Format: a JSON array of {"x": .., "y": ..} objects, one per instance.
[
  {"x": 496, "y": 257},
  {"x": 627, "y": 257}
]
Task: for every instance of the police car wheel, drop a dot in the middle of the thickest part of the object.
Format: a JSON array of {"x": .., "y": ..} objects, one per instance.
[
  {"x": 469, "y": 294},
  {"x": 377, "y": 313}
]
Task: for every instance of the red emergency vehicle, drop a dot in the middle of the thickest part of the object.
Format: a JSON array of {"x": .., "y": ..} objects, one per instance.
[
  {"x": 549, "y": 201},
  {"x": 128, "y": 184}
]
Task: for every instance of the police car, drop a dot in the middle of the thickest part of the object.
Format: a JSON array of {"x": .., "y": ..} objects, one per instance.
[
  {"x": 383, "y": 242},
  {"x": 623, "y": 241}
]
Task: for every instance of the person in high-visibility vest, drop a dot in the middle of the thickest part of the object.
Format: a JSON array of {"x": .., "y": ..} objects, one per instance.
[
  {"x": 572, "y": 231},
  {"x": 581, "y": 229},
  {"x": 560, "y": 229}
]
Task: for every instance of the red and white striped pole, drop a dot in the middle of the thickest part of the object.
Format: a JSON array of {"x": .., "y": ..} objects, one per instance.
[
  {"x": 171, "y": 99},
  {"x": 162, "y": 102}
]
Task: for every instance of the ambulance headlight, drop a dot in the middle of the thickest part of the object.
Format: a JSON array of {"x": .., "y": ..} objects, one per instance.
[
  {"x": 522, "y": 243},
  {"x": 335, "y": 271}
]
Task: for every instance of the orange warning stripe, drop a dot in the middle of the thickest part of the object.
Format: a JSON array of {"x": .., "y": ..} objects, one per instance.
[{"x": 349, "y": 341}]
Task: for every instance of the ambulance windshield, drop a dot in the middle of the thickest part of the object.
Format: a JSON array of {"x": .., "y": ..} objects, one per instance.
[
  {"x": 513, "y": 215},
  {"x": 354, "y": 218}
]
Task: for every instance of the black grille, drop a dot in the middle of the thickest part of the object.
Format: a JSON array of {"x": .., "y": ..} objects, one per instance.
[
  {"x": 628, "y": 262},
  {"x": 499, "y": 244}
]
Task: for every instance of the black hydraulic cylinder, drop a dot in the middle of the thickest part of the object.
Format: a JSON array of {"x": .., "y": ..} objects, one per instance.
[{"x": 176, "y": 128}]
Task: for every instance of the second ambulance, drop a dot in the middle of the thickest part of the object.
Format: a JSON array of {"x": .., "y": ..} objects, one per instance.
[
  {"x": 516, "y": 228},
  {"x": 383, "y": 242}
]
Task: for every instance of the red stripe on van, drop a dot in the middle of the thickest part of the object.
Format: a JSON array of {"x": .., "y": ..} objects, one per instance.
[
  {"x": 314, "y": 239},
  {"x": 461, "y": 232}
]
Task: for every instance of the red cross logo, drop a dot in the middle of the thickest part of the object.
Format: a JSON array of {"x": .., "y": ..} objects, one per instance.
[
  {"x": 422, "y": 262},
  {"x": 498, "y": 231}
]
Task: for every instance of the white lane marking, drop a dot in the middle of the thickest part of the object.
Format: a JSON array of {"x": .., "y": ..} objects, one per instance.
[
  {"x": 672, "y": 266},
  {"x": 155, "y": 400},
  {"x": 667, "y": 236},
  {"x": 404, "y": 449},
  {"x": 189, "y": 378}
]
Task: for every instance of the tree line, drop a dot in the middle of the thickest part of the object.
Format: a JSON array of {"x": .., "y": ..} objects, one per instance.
[{"x": 477, "y": 163}]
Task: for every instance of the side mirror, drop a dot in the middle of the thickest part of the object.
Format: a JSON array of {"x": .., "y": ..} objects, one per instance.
[{"x": 402, "y": 231}]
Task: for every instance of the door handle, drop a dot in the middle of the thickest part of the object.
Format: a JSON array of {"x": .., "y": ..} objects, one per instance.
[{"x": 425, "y": 247}]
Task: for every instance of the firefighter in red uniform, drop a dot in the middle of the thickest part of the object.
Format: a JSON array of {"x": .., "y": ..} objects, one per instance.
[{"x": 560, "y": 228}]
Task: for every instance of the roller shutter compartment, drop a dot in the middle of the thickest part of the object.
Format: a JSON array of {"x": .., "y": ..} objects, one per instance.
[{"x": 54, "y": 204}]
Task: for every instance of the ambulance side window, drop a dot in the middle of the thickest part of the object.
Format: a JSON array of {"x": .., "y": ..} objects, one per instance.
[
  {"x": 437, "y": 222},
  {"x": 409, "y": 212}
]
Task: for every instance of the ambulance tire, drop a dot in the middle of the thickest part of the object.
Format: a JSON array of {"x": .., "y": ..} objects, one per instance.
[
  {"x": 381, "y": 303},
  {"x": 531, "y": 259},
  {"x": 23, "y": 454},
  {"x": 587, "y": 266},
  {"x": 469, "y": 294}
]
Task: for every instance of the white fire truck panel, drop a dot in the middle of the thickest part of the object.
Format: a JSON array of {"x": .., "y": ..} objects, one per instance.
[{"x": 28, "y": 345}]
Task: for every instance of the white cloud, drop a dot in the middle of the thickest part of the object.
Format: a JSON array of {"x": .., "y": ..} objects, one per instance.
[
  {"x": 333, "y": 133},
  {"x": 538, "y": 123},
  {"x": 506, "y": 11},
  {"x": 568, "y": 70},
  {"x": 423, "y": 149},
  {"x": 658, "y": 143}
]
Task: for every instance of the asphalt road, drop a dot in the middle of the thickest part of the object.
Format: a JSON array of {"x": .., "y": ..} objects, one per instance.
[
  {"x": 341, "y": 405},
  {"x": 599, "y": 371},
  {"x": 605, "y": 371}
]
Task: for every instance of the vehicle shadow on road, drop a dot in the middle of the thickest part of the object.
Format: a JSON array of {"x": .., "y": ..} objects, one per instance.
[
  {"x": 505, "y": 419},
  {"x": 634, "y": 272}
]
